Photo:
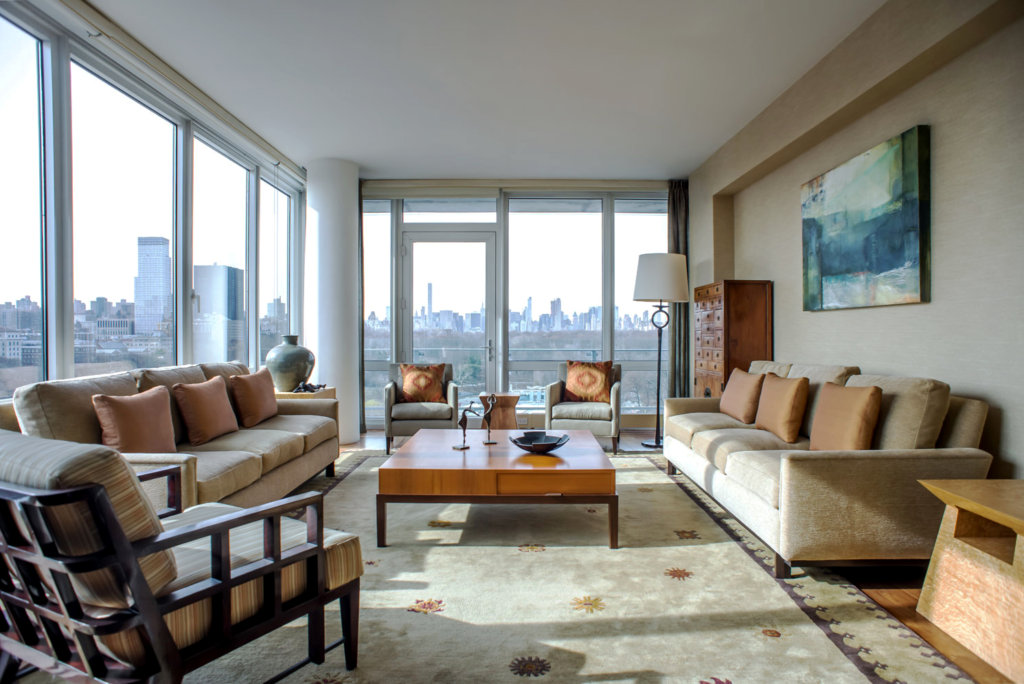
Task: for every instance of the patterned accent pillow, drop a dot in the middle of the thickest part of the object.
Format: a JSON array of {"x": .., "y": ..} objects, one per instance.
[
  {"x": 586, "y": 381},
  {"x": 422, "y": 383}
]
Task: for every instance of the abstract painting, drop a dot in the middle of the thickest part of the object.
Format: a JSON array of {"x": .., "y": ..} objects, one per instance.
[{"x": 865, "y": 228}]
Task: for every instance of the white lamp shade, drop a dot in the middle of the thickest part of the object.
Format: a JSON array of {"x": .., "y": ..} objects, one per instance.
[{"x": 661, "y": 277}]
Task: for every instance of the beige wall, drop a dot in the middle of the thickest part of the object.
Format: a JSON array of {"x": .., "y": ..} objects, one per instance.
[{"x": 972, "y": 331}]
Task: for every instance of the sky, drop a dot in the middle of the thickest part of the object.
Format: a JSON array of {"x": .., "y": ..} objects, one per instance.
[
  {"x": 550, "y": 255},
  {"x": 123, "y": 162}
]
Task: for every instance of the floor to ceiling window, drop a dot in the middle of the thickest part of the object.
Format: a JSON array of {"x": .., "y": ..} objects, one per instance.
[
  {"x": 123, "y": 200},
  {"x": 641, "y": 226},
  {"x": 376, "y": 306},
  {"x": 219, "y": 215},
  {"x": 21, "y": 211},
  {"x": 555, "y": 276},
  {"x": 274, "y": 221}
]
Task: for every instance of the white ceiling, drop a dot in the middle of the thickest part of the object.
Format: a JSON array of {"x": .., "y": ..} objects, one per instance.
[{"x": 625, "y": 89}]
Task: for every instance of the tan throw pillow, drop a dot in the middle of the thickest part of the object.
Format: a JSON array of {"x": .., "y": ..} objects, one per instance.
[
  {"x": 780, "y": 410},
  {"x": 205, "y": 409},
  {"x": 739, "y": 399},
  {"x": 586, "y": 381},
  {"x": 422, "y": 383},
  {"x": 254, "y": 397},
  {"x": 845, "y": 418},
  {"x": 137, "y": 424}
]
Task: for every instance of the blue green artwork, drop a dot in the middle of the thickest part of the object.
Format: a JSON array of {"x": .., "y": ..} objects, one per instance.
[{"x": 865, "y": 228}]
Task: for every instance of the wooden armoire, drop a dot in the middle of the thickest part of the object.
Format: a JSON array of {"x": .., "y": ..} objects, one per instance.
[{"x": 732, "y": 327}]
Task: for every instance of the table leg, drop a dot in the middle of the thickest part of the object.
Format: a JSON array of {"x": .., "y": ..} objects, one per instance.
[
  {"x": 382, "y": 521},
  {"x": 613, "y": 522}
]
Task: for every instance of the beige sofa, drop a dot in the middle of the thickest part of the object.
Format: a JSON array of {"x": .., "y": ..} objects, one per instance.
[
  {"x": 245, "y": 468},
  {"x": 833, "y": 507}
]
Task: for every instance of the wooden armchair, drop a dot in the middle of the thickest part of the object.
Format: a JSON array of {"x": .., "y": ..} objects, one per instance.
[{"x": 94, "y": 586}]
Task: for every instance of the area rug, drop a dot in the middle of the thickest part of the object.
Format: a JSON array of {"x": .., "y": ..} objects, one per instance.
[{"x": 490, "y": 593}]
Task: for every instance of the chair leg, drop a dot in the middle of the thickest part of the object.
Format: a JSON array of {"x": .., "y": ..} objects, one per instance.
[
  {"x": 350, "y": 626},
  {"x": 387, "y": 445},
  {"x": 329, "y": 470},
  {"x": 670, "y": 469},
  {"x": 782, "y": 568},
  {"x": 315, "y": 627},
  {"x": 615, "y": 445},
  {"x": 8, "y": 667}
]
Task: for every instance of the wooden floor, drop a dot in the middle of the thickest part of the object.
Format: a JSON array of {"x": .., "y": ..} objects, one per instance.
[{"x": 894, "y": 588}]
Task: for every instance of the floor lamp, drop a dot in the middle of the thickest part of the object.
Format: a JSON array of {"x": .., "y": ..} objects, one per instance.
[{"x": 660, "y": 278}]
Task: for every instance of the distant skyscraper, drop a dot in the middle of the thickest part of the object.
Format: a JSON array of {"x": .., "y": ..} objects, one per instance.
[
  {"x": 430, "y": 303},
  {"x": 153, "y": 302},
  {"x": 220, "y": 313},
  {"x": 556, "y": 314}
]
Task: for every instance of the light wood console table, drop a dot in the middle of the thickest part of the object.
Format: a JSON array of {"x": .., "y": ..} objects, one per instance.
[{"x": 974, "y": 589}]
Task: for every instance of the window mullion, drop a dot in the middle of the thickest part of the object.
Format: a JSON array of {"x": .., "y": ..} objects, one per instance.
[
  {"x": 252, "y": 247},
  {"x": 183, "y": 288}
]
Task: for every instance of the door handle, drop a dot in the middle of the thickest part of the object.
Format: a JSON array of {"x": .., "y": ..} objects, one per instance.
[{"x": 490, "y": 350}]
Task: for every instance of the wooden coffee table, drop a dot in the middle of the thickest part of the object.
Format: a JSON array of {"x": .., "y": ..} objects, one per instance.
[{"x": 427, "y": 470}]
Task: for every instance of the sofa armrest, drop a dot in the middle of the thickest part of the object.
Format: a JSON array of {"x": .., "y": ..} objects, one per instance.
[
  {"x": 328, "y": 408},
  {"x": 616, "y": 399},
  {"x": 676, "y": 405},
  {"x": 866, "y": 504},
  {"x": 156, "y": 490},
  {"x": 552, "y": 396}
]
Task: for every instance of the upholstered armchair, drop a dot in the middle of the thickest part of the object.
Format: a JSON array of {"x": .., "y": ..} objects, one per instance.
[
  {"x": 404, "y": 418},
  {"x": 94, "y": 585},
  {"x": 599, "y": 417}
]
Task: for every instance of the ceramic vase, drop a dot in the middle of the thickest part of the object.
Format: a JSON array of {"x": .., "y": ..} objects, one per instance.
[{"x": 289, "y": 363}]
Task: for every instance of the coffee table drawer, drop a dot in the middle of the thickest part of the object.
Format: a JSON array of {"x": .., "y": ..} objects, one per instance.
[{"x": 534, "y": 484}]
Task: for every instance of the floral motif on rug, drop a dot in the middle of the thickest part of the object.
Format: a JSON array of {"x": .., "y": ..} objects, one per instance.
[
  {"x": 680, "y": 574},
  {"x": 588, "y": 604},
  {"x": 427, "y": 606},
  {"x": 529, "y": 666},
  {"x": 532, "y": 548},
  {"x": 687, "y": 534},
  {"x": 440, "y": 523}
]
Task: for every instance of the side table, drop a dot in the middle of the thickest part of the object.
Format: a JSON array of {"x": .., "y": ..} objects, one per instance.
[
  {"x": 325, "y": 393},
  {"x": 974, "y": 589},
  {"x": 504, "y": 415}
]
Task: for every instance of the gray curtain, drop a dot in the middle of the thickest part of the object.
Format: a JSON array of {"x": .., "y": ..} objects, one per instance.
[
  {"x": 362, "y": 365},
  {"x": 679, "y": 327}
]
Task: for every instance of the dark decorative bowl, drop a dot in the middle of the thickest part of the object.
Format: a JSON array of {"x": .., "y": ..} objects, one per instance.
[{"x": 539, "y": 443}]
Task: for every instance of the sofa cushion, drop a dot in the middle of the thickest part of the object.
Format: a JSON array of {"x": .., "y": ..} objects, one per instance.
[
  {"x": 226, "y": 369},
  {"x": 62, "y": 409},
  {"x": 780, "y": 410},
  {"x": 222, "y": 473},
  {"x": 315, "y": 430},
  {"x": 205, "y": 410},
  {"x": 54, "y": 464},
  {"x": 683, "y": 426},
  {"x": 739, "y": 399},
  {"x": 582, "y": 410},
  {"x": 758, "y": 471},
  {"x": 148, "y": 378},
  {"x": 716, "y": 445},
  {"x": 140, "y": 423},
  {"x": 588, "y": 381},
  {"x": 421, "y": 410},
  {"x": 343, "y": 563},
  {"x": 846, "y": 417},
  {"x": 274, "y": 447},
  {"x": 422, "y": 383},
  {"x": 778, "y": 367},
  {"x": 912, "y": 410},
  {"x": 818, "y": 374},
  {"x": 254, "y": 397}
]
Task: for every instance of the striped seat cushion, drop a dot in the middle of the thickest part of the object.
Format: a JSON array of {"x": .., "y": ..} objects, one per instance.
[
  {"x": 191, "y": 623},
  {"x": 53, "y": 464}
]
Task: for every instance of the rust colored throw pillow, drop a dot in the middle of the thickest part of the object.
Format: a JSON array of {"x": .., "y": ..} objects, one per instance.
[
  {"x": 739, "y": 399},
  {"x": 422, "y": 383},
  {"x": 845, "y": 418},
  {"x": 254, "y": 397},
  {"x": 138, "y": 423},
  {"x": 206, "y": 410},
  {"x": 780, "y": 410},
  {"x": 586, "y": 381}
]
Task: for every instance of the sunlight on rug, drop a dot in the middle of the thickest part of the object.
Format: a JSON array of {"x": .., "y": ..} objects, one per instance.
[{"x": 507, "y": 592}]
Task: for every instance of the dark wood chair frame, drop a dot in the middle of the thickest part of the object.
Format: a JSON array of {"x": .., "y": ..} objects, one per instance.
[{"x": 48, "y": 629}]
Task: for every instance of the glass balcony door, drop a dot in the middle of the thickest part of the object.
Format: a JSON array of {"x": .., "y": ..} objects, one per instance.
[{"x": 448, "y": 304}]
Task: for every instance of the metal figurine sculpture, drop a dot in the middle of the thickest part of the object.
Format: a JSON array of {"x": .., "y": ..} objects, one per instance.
[
  {"x": 489, "y": 403},
  {"x": 463, "y": 422}
]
